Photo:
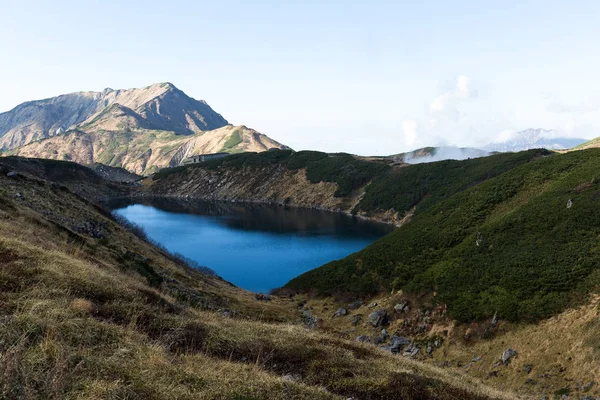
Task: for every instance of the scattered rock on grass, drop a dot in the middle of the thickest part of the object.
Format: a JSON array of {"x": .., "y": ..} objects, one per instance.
[
  {"x": 355, "y": 306},
  {"x": 378, "y": 318},
  {"x": 401, "y": 307},
  {"x": 340, "y": 312},
  {"x": 507, "y": 355}
]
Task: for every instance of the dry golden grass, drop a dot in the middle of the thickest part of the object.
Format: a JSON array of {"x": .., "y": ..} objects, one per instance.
[{"x": 563, "y": 352}]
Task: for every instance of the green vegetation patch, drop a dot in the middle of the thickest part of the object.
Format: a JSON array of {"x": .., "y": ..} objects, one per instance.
[
  {"x": 233, "y": 140},
  {"x": 523, "y": 244},
  {"x": 429, "y": 183}
]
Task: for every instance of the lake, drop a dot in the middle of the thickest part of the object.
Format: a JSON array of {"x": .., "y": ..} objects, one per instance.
[{"x": 256, "y": 247}]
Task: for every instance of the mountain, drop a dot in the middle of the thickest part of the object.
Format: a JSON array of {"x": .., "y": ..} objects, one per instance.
[
  {"x": 160, "y": 106},
  {"x": 535, "y": 139},
  {"x": 140, "y": 130}
]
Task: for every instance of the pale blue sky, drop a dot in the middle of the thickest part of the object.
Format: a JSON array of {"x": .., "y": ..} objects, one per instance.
[{"x": 374, "y": 77}]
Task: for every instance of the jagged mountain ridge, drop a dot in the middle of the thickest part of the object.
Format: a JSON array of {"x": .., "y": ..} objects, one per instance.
[
  {"x": 534, "y": 139},
  {"x": 159, "y": 106},
  {"x": 140, "y": 130}
]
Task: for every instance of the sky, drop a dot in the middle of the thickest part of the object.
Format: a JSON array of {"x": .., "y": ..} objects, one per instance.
[{"x": 376, "y": 77}]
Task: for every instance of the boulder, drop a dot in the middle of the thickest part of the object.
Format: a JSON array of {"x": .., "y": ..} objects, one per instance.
[
  {"x": 401, "y": 307},
  {"x": 507, "y": 355},
  {"x": 429, "y": 349},
  {"x": 378, "y": 318},
  {"x": 355, "y": 306},
  {"x": 372, "y": 305},
  {"x": 340, "y": 312},
  {"x": 411, "y": 350},
  {"x": 11, "y": 174},
  {"x": 262, "y": 297},
  {"x": 397, "y": 343},
  {"x": 363, "y": 339}
]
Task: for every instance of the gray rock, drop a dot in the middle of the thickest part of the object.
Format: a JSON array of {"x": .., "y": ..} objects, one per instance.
[
  {"x": 397, "y": 343},
  {"x": 528, "y": 368},
  {"x": 411, "y": 350},
  {"x": 11, "y": 174},
  {"x": 429, "y": 349},
  {"x": 476, "y": 358},
  {"x": 363, "y": 339},
  {"x": 355, "y": 306},
  {"x": 508, "y": 355},
  {"x": 373, "y": 304},
  {"x": 378, "y": 318},
  {"x": 385, "y": 333},
  {"x": 310, "y": 321},
  {"x": 340, "y": 312},
  {"x": 401, "y": 307}
]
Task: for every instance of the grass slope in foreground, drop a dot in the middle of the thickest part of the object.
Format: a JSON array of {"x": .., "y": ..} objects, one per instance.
[
  {"x": 523, "y": 244},
  {"x": 89, "y": 310}
]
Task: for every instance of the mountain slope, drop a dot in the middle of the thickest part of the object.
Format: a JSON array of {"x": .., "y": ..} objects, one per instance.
[
  {"x": 160, "y": 107},
  {"x": 522, "y": 244},
  {"x": 90, "y": 310},
  {"x": 143, "y": 151},
  {"x": 535, "y": 139}
]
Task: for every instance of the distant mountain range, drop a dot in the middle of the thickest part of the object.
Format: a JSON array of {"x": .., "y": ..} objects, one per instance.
[
  {"x": 524, "y": 140},
  {"x": 534, "y": 139},
  {"x": 140, "y": 130}
]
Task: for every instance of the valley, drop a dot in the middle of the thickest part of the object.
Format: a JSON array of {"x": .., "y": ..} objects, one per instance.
[
  {"x": 483, "y": 285},
  {"x": 91, "y": 308}
]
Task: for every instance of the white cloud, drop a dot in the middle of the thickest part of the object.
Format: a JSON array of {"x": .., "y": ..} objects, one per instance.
[
  {"x": 440, "y": 103},
  {"x": 409, "y": 129},
  {"x": 462, "y": 86},
  {"x": 589, "y": 105},
  {"x": 447, "y": 103},
  {"x": 505, "y": 136}
]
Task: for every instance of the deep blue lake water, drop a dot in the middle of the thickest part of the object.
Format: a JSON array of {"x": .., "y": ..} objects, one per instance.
[{"x": 256, "y": 247}]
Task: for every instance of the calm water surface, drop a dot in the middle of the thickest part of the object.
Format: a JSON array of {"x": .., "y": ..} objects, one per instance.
[{"x": 256, "y": 247}]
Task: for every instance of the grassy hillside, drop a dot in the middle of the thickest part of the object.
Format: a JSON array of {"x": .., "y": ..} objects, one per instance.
[
  {"x": 90, "y": 310},
  {"x": 523, "y": 244},
  {"x": 386, "y": 188}
]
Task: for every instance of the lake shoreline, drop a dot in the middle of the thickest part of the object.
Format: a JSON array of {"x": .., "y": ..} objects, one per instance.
[{"x": 385, "y": 221}]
